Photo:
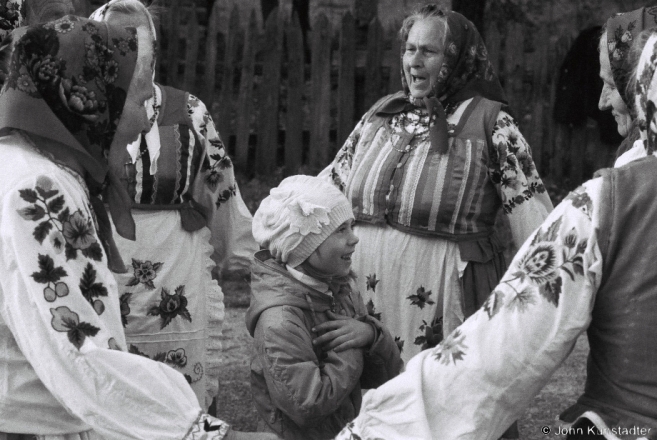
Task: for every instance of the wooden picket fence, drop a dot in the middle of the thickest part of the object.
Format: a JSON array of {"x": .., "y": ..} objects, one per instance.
[{"x": 276, "y": 107}]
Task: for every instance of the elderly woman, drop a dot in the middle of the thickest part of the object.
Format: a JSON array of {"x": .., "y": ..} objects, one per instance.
[
  {"x": 588, "y": 267},
  {"x": 426, "y": 170},
  {"x": 74, "y": 96},
  {"x": 190, "y": 221},
  {"x": 616, "y": 69}
]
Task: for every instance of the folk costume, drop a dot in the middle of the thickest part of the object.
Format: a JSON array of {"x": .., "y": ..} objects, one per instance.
[
  {"x": 587, "y": 268},
  {"x": 65, "y": 369},
  {"x": 426, "y": 186},
  {"x": 191, "y": 224}
]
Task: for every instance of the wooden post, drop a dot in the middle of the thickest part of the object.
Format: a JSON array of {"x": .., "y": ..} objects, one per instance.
[
  {"x": 172, "y": 48},
  {"x": 394, "y": 82},
  {"x": 373, "y": 63},
  {"x": 244, "y": 102},
  {"x": 226, "y": 101},
  {"x": 493, "y": 42},
  {"x": 269, "y": 92},
  {"x": 346, "y": 77},
  {"x": 514, "y": 68},
  {"x": 191, "y": 52},
  {"x": 558, "y": 140},
  {"x": 211, "y": 55},
  {"x": 295, "y": 86},
  {"x": 320, "y": 93},
  {"x": 539, "y": 98}
]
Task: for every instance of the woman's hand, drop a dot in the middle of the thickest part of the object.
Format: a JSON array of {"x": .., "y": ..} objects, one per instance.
[{"x": 343, "y": 333}]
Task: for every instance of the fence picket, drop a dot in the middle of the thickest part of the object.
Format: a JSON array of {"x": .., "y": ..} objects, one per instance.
[
  {"x": 173, "y": 42},
  {"x": 493, "y": 42},
  {"x": 394, "y": 81},
  {"x": 514, "y": 67},
  {"x": 211, "y": 54},
  {"x": 373, "y": 63},
  {"x": 244, "y": 102},
  {"x": 346, "y": 77},
  {"x": 191, "y": 52},
  {"x": 320, "y": 72},
  {"x": 226, "y": 95},
  {"x": 268, "y": 95},
  {"x": 295, "y": 87}
]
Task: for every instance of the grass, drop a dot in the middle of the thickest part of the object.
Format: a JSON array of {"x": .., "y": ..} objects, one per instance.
[{"x": 234, "y": 403}]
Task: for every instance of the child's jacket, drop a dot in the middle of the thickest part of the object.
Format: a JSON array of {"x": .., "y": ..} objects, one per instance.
[{"x": 300, "y": 391}]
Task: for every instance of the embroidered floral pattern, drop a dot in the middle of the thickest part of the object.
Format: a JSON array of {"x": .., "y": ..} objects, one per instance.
[
  {"x": 226, "y": 194},
  {"x": 511, "y": 165},
  {"x": 372, "y": 311},
  {"x": 12, "y": 16},
  {"x": 72, "y": 231},
  {"x": 421, "y": 298},
  {"x": 66, "y": 321},
  {"x": 372, "y": 282},
  {"x": 91, "y": 289},
  {"x": 432, "y": 334},
  {"x": 49, "y": 274},
  {"x": 144, "y": 272},
  {"x": 452, "y": 349},
  {"x": 171, "y": 306}
]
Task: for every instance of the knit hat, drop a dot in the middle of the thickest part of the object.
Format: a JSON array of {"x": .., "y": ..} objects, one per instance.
[{"x": 298, "y": 216}]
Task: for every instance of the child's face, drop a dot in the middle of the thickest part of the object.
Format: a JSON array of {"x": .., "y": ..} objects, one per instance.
[{"x": 333, "y": 256}]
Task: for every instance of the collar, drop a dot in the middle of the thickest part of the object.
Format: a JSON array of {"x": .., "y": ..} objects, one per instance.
[{"x": 308, "y": 280}]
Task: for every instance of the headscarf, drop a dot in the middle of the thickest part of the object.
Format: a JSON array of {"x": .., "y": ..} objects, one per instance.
[
  {"x": 12, "y": 16},
  {"x": 646, "y": 93},
  {"x": 466, "y": 72},
  {"x": 622, "y": 29},
  {"x": 152, "y": 138},
  {"x": 71, "y": 76}
]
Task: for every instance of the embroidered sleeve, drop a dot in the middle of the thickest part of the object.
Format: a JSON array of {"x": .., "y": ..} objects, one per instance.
[
  {"x": 338, "y": 171},
  {"x": 59, "y": 300},
  {"x": 513, "y": 172},
  {"x": 512, "y": 345},
  {"x": 229, "y": 219}
]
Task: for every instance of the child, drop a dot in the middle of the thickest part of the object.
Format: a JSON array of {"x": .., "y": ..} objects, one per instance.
[{"x": 316, "y": 346}]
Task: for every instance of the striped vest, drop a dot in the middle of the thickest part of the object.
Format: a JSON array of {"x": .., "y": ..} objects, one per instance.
[
  {"x": 180, "y": 158},
  {"x": 399, "y": 179}
]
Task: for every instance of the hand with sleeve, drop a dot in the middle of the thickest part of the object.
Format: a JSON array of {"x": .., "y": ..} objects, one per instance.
[{"x": 342, "y": 333}]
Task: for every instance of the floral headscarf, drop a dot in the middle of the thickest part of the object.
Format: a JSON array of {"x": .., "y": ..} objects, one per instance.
[
  {"x": 12, "y": 16},
  {"x": 71, "y": 76},
  {"x": 622, "y": 29},
  {"x": 646, "y": 93},
  {"x": 466, "y": 72}
]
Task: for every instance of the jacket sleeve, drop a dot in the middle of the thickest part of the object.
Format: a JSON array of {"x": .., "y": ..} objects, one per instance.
[
  {"x": 513, "y": 172},
  {"x": 216, "y": 189},
  {"x": 304, "y": 388},
  {"x": 60, "y": 303},
  {"x": 382, "y": 359}
]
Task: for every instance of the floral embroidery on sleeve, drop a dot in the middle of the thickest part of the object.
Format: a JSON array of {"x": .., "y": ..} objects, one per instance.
[
  {"x": 452, "y": 348},
  {"x": 66, "y": 321},
  {"x": 341, "y": 166},
  {"x": 511, "y": 166}
]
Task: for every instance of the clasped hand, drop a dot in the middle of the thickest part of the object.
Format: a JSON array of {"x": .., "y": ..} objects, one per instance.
[{"x": 343, "y": 333}]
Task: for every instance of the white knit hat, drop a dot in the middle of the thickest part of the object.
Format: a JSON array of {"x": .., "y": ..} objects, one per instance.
[{"x": 297, "y": 216}]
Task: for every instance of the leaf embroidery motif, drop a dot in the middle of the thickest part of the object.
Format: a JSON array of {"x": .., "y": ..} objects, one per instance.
[{"x": 67, "y": 321}]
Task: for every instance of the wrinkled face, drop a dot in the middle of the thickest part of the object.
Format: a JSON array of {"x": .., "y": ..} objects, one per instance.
[
  {"x": 610, "y": 97},
  {"x": 134, "y": 118},
  {"x": 423, "y": 56},
  {"x": 333, "y": 256}
]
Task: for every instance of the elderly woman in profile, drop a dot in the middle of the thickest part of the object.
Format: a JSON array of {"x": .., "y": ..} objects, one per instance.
[
  {"x": 426, "y": 170},
  {"x": 74, "y": 97},
  {"x": 617, "y": 68}
]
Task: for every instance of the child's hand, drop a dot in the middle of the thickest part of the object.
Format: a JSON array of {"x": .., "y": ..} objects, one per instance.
[{"x": 343, "y": 333}]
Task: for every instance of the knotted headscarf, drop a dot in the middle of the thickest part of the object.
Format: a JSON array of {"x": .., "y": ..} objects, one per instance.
[
  {"x": 646, "y": 93},
  {"x": 622, "y": 29},
  {"x": 466, "y": 72},
  {"x": 68, "y": 81},
  {"x": 152, "y": 138}
]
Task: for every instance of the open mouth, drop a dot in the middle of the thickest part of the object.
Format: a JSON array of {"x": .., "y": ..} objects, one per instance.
[
  {"x": 347, "y": 257},
  {"x": 415, "y": 79}
]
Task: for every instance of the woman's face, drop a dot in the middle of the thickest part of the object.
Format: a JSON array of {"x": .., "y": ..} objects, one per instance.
[
  {"x": 610, "y": 97},
  {"x": 423, "y": 56}
]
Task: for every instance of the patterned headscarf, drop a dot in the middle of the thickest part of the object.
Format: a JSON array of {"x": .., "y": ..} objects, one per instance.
[
  {"x": 12, "y": 16},
  {"x": 466, "y": 72},
  {"x": 622, "y": 29},
  {"x": 68, "y": 80},
  {"x": 152, "y": 138},
  {"x": 646, "y": 93}
]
